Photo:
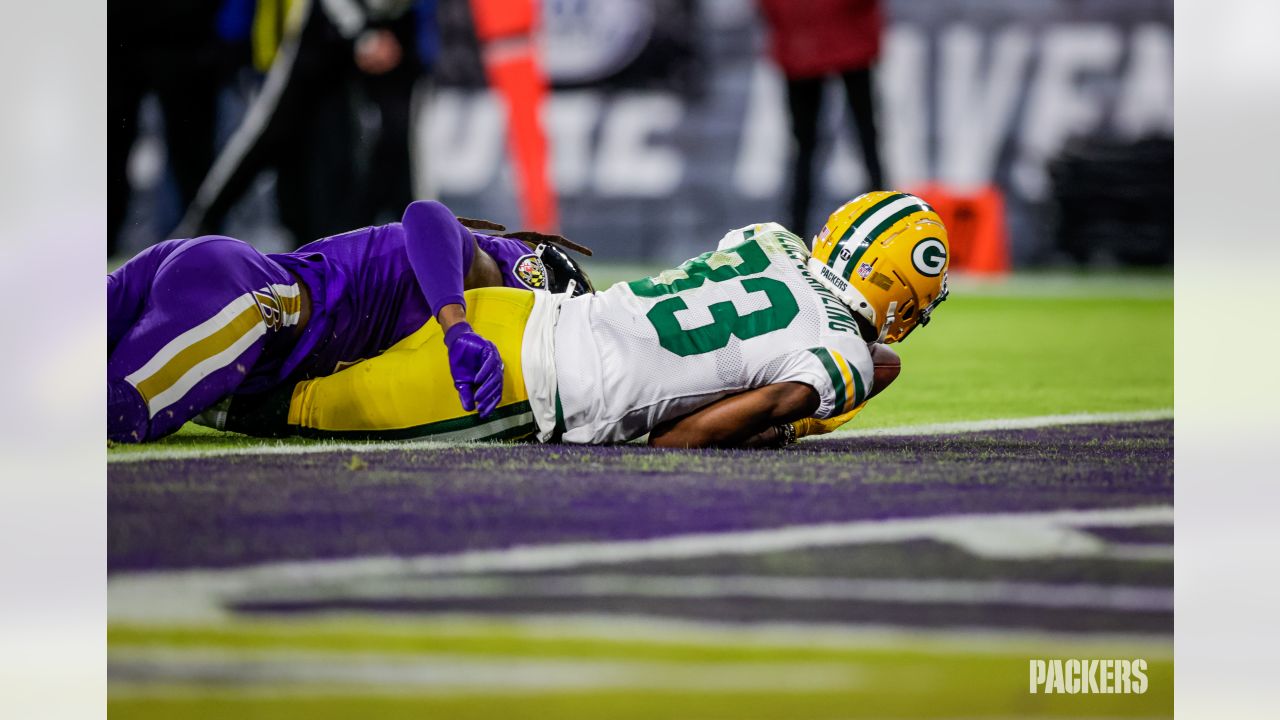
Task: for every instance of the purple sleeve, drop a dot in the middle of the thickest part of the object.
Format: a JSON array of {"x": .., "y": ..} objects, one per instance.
[{"x": 440, "y": 252}]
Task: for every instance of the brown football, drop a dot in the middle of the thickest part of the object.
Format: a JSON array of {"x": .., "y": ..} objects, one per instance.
[{"x": 888, "y": 364}]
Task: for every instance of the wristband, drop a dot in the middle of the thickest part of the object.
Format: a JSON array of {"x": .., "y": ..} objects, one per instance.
[{"x": 459, "y": 328}]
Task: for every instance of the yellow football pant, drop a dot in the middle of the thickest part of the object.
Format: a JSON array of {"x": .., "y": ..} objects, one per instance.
[{"x": 407, "y": 391}]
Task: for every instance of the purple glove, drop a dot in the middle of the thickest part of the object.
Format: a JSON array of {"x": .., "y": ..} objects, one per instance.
[{"x": 476, "y": 367}]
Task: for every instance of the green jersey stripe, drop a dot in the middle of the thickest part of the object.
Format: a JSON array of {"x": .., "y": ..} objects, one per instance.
[
  {"x": 859, "y": 392},
  {"x": 833, "y": 370}
]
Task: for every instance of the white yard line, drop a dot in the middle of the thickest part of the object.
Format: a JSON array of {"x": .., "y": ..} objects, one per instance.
[
  {"x": 373, "y": 447},
  {"x": 186, "y": 595},
  {"x": 656, "y": 630},
  {"x": 133, "y": 670},
  {"x": 324, "y": 446},
  {"x": 1113, "y": 598},
  {"x": 1022, "y": 423}
]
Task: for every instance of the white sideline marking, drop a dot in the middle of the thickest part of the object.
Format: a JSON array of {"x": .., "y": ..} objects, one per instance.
[
  {"x": 380, "y": 446},
  {"x": 322, "y": 446},
  {"x": 649, "y": 629},
  {"x": 133, "y": 669},
  {"x": 200, "y": 594},
  {"x": 655, "y": 630},
  {"x": 1024, "y": 423},
  {"x": 1117, "y": 598}
]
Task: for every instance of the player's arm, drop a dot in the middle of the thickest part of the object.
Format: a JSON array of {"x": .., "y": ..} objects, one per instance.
[
  {"x": 442, "y": 253},
  {"x": 748, "y": 419}
]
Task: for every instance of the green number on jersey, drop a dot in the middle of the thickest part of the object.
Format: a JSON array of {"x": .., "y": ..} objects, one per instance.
[
  {"x": 714, "y": 266},
  {"x": 726, "y": 322}
]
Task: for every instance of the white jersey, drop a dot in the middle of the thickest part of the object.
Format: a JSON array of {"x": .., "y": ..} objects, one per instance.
[{"x": 640, "y": 353}]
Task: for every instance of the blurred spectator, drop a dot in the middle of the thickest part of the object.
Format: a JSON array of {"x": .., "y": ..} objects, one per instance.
[
  {"x": 171, "y": 49},
  {"x": 316, "y": 53},
  {"x": 301, "y": 123},
  {"x": 396, "y": 50},
  {"x": 813, "y": 40}
]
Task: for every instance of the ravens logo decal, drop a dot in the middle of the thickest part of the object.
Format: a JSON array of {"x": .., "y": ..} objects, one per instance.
[{"x": 530, "y": 271}]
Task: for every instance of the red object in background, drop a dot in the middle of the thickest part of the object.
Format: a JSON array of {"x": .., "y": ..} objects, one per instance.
[
  {"x": 976, "y": 227},
  {"x": 810, "y": 38},
  {"x": 505, "y": 29}
]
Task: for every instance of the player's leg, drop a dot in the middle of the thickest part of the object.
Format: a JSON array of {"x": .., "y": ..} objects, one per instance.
[
  {"x": 408, "y": 391},
  {"x": 858, "y": 86},
  {"x": 804, "y": 100},
  {"x": 201, "y": 328},
  {"x": 129, "y": 286}
]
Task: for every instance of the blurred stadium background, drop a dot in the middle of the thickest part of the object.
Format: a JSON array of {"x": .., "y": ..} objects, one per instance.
[
  {"x": 667, "y": 124},
  {"x": 268, "y": 582}
]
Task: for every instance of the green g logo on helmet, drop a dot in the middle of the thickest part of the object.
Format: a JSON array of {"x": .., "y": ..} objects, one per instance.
[{"x": 929, "y": 257}]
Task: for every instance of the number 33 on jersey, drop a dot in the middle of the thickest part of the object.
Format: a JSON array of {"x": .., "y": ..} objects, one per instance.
[{"x": 744, "y": 316}]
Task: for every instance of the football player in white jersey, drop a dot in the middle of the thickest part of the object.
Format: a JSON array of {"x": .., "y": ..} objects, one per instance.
[{"x": 755, "y": 343}]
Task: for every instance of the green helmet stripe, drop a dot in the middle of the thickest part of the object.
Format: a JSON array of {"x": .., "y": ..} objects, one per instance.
[
  {"x": 888, "y": 223},
  {"x": 853, "y": 226},
  {"x": 846, "y": 269}
]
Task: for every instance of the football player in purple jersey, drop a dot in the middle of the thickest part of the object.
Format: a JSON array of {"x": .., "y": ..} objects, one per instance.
[{"x": 192, "y": 321}]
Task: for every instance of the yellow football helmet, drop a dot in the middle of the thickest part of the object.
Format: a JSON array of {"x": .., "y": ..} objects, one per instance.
[{"x": 884, "y": 254}]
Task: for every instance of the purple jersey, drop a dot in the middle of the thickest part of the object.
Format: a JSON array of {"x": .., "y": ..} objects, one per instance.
[
  {"x": 192, "y": 321},
  {"x": 365, "y": 296}
]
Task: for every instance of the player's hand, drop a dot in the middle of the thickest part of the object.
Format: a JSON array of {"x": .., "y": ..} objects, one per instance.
[{"x": 476, "y": 367}]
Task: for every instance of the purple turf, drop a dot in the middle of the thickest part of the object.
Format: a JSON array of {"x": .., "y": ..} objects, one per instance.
[{"x": 235, "y": 510}]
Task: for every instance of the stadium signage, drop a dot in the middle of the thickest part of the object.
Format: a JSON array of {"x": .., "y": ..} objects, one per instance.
[
  {"x": 1081, "y": 676},
  {"x": 973, "y": 93}
]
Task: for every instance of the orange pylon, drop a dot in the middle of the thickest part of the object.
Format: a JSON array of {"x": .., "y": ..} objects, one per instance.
[
  {"x": 976, "y": 226},
  {"x": 506, "y": 29}
]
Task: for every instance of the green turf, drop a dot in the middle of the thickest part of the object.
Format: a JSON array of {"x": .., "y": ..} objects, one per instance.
[
  {"x": 997, "y": 357},
  {"x": 1033, "y": 344},
  {"x": 912, "y": 679}
]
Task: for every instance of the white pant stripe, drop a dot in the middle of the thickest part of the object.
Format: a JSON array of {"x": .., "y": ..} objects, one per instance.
[
  {"x": 191, "y": 337},
  {"x": 203, "y": 368}
]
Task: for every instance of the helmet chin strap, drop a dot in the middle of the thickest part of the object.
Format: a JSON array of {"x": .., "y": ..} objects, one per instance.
[{"x": 889, "y": 316}]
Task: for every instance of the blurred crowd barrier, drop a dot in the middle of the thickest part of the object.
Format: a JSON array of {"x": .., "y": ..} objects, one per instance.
[{"x": 668, "y": 121}]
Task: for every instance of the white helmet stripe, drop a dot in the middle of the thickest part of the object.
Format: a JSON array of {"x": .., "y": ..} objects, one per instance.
[{"x": 872, "y": 228}]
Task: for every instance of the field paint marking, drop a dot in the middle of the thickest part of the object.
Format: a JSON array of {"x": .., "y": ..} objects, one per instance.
[
  {"x": 309, "y": 672},
  {"x": 1115, "y": 598},
  {"x": 1139, "y": 553},
  {"x": 380, "y": 446},
  {"x": 650, "y": 629},
  {"x": 323, "y": 446},
  {"x": 1023, "y": 423},
  {"x": 201, "y": 594},
  {"x": 683, "y": 632}
]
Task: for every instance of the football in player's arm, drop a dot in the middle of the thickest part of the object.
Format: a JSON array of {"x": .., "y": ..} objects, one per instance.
[
  {"x": 193, "y": 321},
  {"x": 772, "y": 416},
  {"x": 756, "y": 343}
]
